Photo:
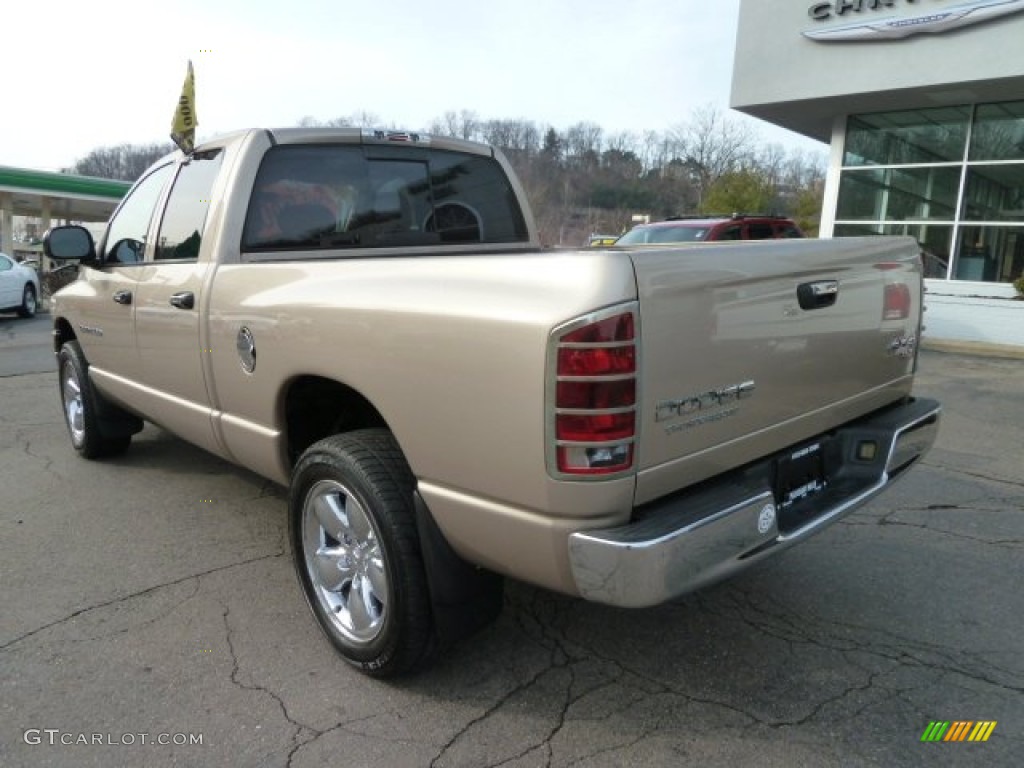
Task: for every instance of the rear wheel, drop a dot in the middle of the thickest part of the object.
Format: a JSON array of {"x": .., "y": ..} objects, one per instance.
[
  {"x": 357, "y": 551},
  {"x": 29, "y": 302},
  {"x": 82, "y": 406}
]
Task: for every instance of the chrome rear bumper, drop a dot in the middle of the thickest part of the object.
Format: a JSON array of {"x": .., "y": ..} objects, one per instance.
[{"x": 692, "y": 539}]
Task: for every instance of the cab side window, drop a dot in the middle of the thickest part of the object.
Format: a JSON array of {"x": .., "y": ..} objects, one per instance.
[
  {"x": 125, "y": 242},
  {"x": 759, "y": 231},
  {"x": 181, "y": 229}
]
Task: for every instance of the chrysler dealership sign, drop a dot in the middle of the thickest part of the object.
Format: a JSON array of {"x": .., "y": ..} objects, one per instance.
[{"x": 868, "y": 24}]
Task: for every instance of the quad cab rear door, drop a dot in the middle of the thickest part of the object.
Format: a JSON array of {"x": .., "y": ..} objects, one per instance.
[{"x": 170, "y": 311}]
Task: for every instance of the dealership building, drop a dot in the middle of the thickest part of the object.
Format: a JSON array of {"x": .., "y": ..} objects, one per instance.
[{"x": 922, "y": 104}]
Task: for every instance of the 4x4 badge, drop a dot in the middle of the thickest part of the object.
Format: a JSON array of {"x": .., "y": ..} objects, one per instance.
[{"x": 903, "y": 346}]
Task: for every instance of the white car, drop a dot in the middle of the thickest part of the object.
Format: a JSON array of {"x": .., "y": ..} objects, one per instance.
[{"x": 19, "y": 287}]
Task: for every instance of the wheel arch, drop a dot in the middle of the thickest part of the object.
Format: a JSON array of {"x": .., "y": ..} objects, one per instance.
[
  {"x": 62, "y": 333},
  {"x": 315, "y": 407}
]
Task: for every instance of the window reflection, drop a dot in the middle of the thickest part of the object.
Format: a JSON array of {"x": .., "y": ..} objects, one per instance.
[
  {"x": 905, "y": 138},
  {"x": 185, "y": 216},
  {"x": 998, "y": 132},
  {"x": 979, "y": 237},
  {"x": 899, "y": 193},
  {"x": 991, "y": 254},
  {"x": 934, "y": 240},
  {"x": 994, "y": 193}
]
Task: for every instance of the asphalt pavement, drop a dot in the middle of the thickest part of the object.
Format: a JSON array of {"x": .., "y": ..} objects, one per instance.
[
  {"x": 26, "y": 345},
  {"x": 152, "y": 599}
]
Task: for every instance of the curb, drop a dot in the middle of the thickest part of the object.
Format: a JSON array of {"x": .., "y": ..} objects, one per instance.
[{"x": 974, "y": 348}]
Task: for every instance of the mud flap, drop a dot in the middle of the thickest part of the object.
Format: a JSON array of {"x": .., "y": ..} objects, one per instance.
[{"x": 465, "y": 598}]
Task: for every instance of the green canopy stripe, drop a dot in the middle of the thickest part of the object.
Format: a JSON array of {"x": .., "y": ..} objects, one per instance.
[{"x": 62, "y": 183}]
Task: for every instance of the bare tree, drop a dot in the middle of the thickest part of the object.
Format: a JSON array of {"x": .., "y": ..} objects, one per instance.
[
  {"x": 714, "y": 144},
  {"x": 460, "y": 125},
  {"x": 579, "y": 180},
  {"x": 582, "y": 144},
  {"x": 125, "y": 162}
]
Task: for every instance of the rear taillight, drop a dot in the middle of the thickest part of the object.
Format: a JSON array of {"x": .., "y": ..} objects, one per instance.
[
  {"x": 897, "y": 302},
  {"x": 592, "y": 395}
]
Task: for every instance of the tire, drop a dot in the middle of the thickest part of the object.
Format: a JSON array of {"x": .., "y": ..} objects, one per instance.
[
  {"x": 357, "y": 551},
  {"x": 29, "y": 301},
  {"x": 94, "y": 433}
]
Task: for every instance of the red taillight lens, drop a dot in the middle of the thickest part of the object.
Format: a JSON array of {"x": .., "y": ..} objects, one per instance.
[
  {"x": 594, "y": 419},
  {"x": 592, "y": 395},
  {"x": 618, "y": 328},
  {"x": 597, "y": 361},
  {"x": 897, "y": 302},
  {"x": 606, "y": 426}
]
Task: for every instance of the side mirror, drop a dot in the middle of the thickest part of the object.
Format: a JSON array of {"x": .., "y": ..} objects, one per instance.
[{"x": 69, "y": 243}]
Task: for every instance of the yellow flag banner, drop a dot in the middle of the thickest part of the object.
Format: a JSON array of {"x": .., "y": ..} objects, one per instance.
[{"x": 183, "y": 125}]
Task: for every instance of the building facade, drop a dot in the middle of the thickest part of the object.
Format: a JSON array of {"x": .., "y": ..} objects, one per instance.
[{"x": 922, "y": 103}]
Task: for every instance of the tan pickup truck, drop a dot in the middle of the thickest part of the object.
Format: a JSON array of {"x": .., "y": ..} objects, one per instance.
[{"x": 368, "y": 318}]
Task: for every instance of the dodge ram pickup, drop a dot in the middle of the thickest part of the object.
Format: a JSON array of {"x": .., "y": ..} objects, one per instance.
[{"x": 368, "y": 318}]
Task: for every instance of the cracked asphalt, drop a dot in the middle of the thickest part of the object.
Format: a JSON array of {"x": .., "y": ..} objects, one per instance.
[{"x": 154, "y": 594}]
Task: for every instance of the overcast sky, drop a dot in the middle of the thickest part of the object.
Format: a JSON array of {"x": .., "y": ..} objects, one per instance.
[{"x": 84, "y": 74}]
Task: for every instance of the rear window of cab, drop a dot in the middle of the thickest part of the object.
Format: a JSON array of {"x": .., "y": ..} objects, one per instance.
[{"x": 311, "y": 197}]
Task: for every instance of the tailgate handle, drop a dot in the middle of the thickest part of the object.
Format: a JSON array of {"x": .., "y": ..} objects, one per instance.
[{"x": 822, "y": 293}]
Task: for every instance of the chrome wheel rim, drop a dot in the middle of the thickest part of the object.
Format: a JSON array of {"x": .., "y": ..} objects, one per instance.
[
  {"x": 74, "y": 411},
  {"x": 30, "y": 303},
  {"x": 345, "y": 562}
]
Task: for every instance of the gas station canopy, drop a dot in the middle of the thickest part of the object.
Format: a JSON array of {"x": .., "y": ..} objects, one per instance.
[
  {"x": 54, "y": 196},
  {"x": 62, "y": 195}
]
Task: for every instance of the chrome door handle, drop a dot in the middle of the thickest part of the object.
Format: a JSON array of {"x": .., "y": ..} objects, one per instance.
[
  {"x": 183, "y": 300},
  {"x": 122, "y": 297}
]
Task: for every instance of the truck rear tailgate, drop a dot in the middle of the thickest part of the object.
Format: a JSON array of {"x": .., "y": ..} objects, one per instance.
[{"x": 747, "y": 348}]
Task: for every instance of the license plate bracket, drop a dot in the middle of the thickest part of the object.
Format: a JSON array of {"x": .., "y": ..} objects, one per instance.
[{"x": 800, "y": 475}]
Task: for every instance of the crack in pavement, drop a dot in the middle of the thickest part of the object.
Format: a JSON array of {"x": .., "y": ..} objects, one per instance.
[
  {"x": 645, "y": 732},
  {"x": 916, "y": 658},
  {"x": 300, "y": 727},
  {"x": 346, "y": 727},
  {"x": 901, "y": 650},
  {"x": 566, "y": 658},
  {"x": 163, "y": 614},
  {"x": 26, "y": 447},
  {"x": 1011, "y": 543},
  {"x": 492, "y": 709},
  {"x": 133, "y": 595},
  {"x": 977, "y": 475},
  {"x": 560, "y": 661}
]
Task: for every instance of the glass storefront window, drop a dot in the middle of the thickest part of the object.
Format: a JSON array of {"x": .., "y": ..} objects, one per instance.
[
  {"x": 998, "y": 132},
  {"x": 892, "y": 194},
  {"x": 907, "y": 138},
  {"x": 903, "y": 173},
  {"x": 992, "y": 254},
  {"x": 857, "y": 230},
  {"x": 994, "y": 193}
]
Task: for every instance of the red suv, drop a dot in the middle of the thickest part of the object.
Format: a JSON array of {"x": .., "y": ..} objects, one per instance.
[{"x": 687, "y": 229}]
